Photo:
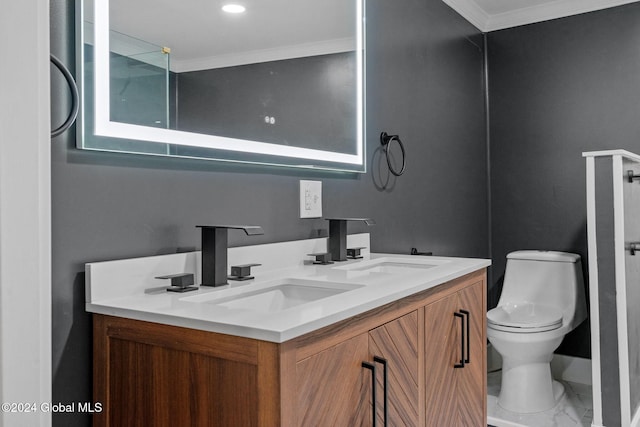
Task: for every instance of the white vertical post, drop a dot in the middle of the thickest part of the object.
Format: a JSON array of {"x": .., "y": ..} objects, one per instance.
[
  {"x": 593, "y": 294},
  {"x": 25, "y": 212},
  {"x": 621, "y": 290}
]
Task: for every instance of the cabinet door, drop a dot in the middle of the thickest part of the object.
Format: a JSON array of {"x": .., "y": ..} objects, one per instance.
[
  {"x": 471, "y": 381},
  {"x": 397, "y": 343},
  {"x": 456, "y": 396},
  {"x": 147, "y": 374},
  {"x": 442, "y": 353},
  {"x": 333, "y": 388}
]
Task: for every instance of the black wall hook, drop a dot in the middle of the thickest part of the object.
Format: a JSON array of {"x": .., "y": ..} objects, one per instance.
[{"x": 385, "y": 141}]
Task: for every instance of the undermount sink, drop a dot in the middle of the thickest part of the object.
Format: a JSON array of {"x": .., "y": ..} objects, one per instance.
[
  {"x": 391, "y": 265},
  {"x": 273, "y": 296}
]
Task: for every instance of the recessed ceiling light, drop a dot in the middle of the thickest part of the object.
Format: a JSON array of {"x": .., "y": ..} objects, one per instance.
[{"x": 233, "y": 8}]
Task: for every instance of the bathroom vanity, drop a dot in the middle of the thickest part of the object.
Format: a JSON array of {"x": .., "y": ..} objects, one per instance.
[{"x": 407, "y": 341}]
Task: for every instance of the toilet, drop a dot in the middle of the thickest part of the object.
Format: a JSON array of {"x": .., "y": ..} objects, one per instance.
[{"x": 542, "y": 300}]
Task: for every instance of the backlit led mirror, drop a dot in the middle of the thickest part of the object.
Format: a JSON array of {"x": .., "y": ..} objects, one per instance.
[{"x": 281, "y": 83}]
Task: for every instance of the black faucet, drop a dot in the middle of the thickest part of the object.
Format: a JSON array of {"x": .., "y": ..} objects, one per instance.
[
  {"x": 337, "y": 245},
  {"x": 214, "y": 251}
]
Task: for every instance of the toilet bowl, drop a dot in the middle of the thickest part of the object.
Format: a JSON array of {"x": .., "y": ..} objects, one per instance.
[{"x": 542, "y": 300}]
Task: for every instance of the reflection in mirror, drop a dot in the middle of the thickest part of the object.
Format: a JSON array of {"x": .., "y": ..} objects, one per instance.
[{"x": 281, "y": 83}]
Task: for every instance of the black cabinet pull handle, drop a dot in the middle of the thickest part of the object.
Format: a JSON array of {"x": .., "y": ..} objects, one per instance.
[
  {"x": 372, "y": 368},
  {"x": 461, "y": 364},
  {"x": 383, "y": 362},
  {"x": 468, "y": 316}
]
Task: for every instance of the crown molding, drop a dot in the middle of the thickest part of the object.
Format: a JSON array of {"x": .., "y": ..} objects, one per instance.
[
  {"x": 548, "y": 11},
  {"x": 485, "y": 22},
  {"x": 471, "y": 11}
]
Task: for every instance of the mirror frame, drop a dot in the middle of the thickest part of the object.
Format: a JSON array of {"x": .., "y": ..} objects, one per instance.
[{"x": 217, "y": 148}]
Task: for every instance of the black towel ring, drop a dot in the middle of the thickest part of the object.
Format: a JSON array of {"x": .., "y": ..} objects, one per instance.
[
  {"x": 386, "y": 141},
  {"x": 74, "y": 94}
]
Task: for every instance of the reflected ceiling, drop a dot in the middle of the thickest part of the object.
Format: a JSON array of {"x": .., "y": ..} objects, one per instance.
[{"x": 198, "y": 31}]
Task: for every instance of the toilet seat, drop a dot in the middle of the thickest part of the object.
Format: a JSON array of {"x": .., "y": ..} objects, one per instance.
[{"x": 524, "y": 318}]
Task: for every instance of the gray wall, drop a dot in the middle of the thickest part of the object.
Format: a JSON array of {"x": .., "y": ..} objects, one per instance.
[
  {"x": 557, "y": 88},
  {"x": 424, "y": 82},
  {"x": 312, "y": 99}
]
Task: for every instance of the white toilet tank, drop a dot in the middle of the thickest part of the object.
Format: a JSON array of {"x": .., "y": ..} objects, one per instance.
[{"x": 548, "y": 278}]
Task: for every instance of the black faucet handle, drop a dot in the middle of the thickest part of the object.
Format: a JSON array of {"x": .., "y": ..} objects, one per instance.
[
  {"x": 242, "y": 272},
  {"x": 181, "y": 282},
  {"x": 322, "y": 258},
  {"x": 354, "y": 253}
]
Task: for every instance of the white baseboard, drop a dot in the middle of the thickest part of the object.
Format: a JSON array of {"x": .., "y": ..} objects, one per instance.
[{"x": 574, "y": 369}]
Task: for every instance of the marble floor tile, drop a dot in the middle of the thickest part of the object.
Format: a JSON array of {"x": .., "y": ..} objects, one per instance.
[{"x": 575, "y": 409}]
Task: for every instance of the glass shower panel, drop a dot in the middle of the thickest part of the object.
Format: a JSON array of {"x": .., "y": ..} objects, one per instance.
[
  {"x": 161, "y": 109},
  {"x": 139, "y": 83}
]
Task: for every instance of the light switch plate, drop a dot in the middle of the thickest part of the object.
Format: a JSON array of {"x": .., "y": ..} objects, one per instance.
[{"x": 310, "y": 199}]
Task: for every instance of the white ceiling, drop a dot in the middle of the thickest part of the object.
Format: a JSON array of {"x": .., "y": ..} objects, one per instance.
[
  {"x": 201, "y": 36},
  {"x": 491, "y": 15}
]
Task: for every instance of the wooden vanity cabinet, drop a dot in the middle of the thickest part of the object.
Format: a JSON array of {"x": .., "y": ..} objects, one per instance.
[{"x": 160, "y": 375}]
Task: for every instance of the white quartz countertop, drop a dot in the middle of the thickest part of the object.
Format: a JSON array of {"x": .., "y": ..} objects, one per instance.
[{"x": 373, "y": 281}]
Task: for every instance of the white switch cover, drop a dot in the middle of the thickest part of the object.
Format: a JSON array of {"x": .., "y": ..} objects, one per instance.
[{"x": 310, "y": 199}]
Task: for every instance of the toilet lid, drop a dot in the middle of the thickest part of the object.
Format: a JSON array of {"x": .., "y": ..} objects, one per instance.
[{"x": 524, "y": 317}]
